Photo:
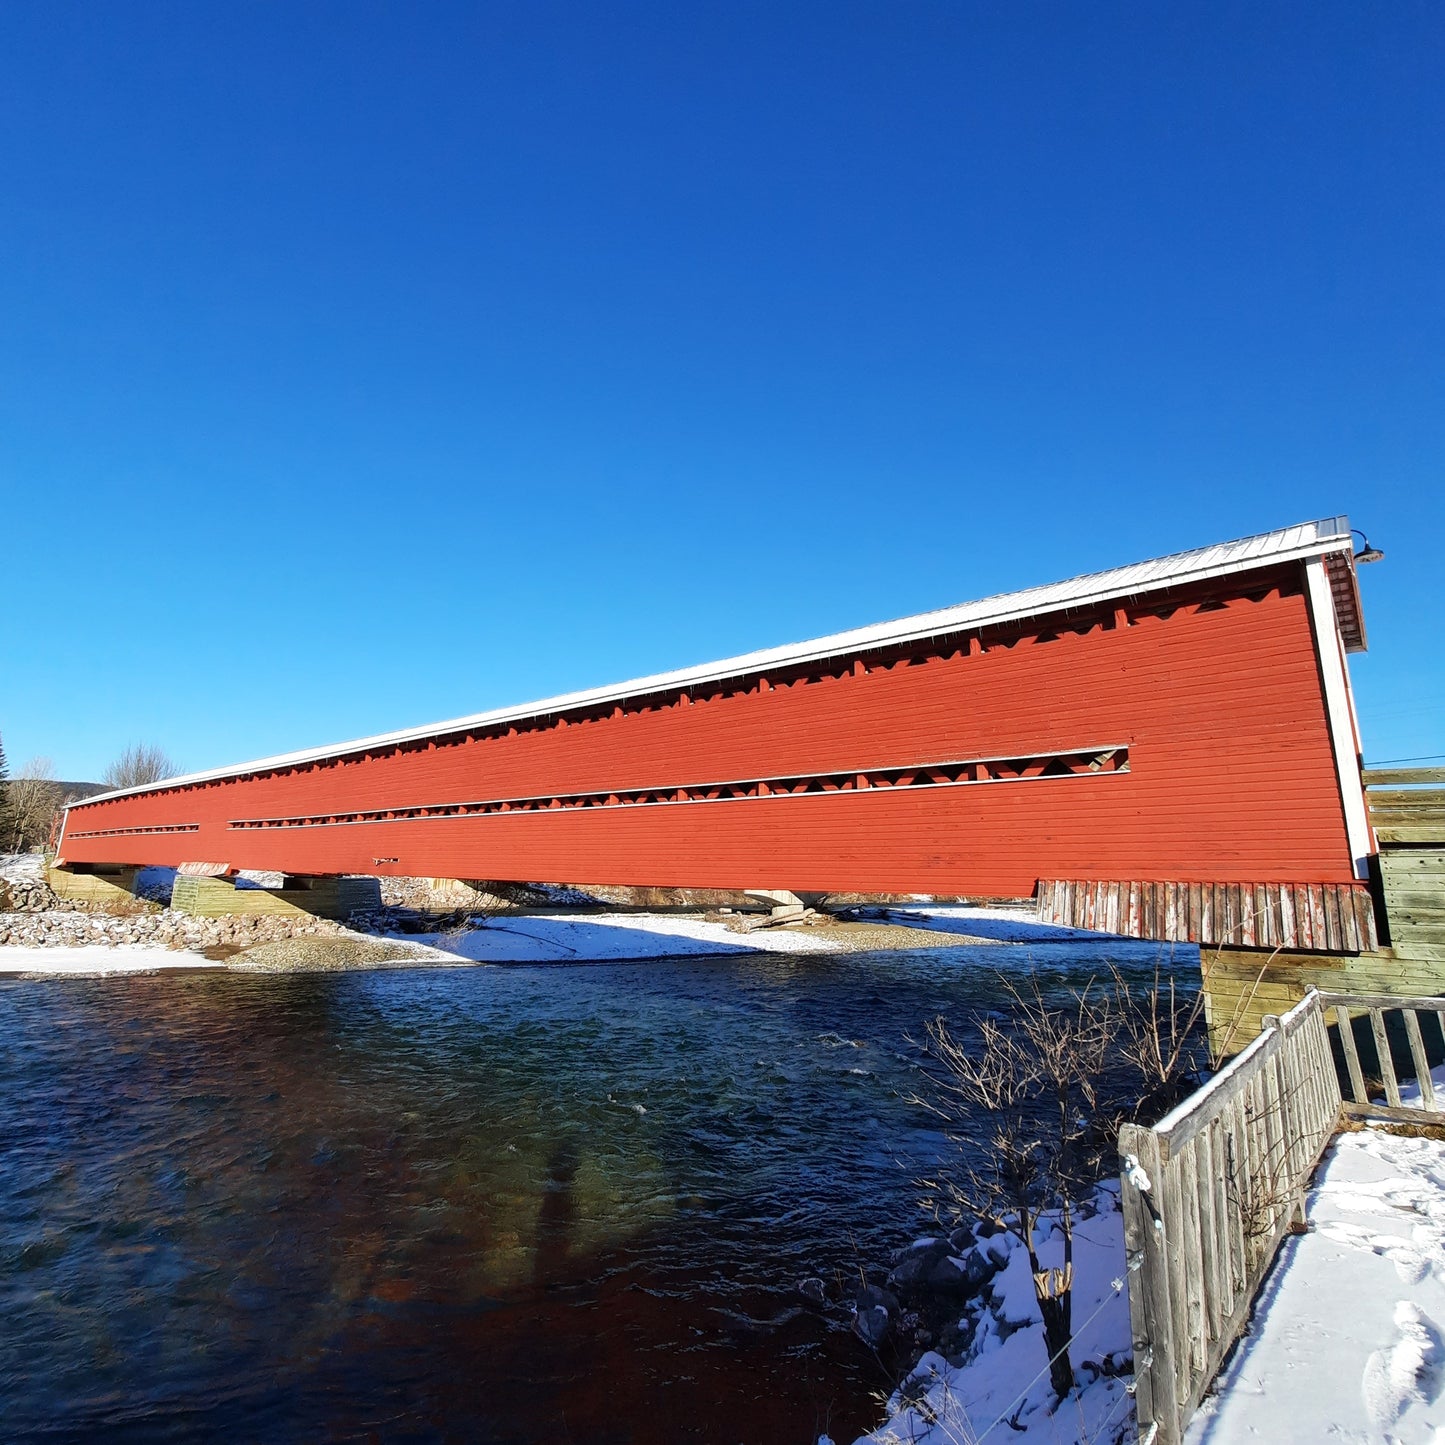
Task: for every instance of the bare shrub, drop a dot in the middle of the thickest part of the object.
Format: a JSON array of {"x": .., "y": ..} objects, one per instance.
[
  {"x": 1159, "y": 1036},
  {"x": 139, "y": 764},
  {"x": 1033, "y": 1104},
  {"x": 33, "y": 800}
]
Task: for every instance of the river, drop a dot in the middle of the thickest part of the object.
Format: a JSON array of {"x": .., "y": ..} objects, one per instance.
[{"x": 502, "y": 1204}]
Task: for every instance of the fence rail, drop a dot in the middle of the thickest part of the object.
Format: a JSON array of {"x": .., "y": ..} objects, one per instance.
[
  {"x": 1211, "y": 1190},
  {"x": 1375, "y": 1007}
]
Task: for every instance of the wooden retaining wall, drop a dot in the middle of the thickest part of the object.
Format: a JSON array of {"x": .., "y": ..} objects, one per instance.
[
  {"x": 1243, "y": 987},
  {"x": 1407, "y": 812}
]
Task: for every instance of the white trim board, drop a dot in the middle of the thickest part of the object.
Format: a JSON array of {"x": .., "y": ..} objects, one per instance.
[{"x": 1340, "y": 711}]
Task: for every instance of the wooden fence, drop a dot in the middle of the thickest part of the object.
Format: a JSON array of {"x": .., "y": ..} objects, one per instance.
[
  {"x": 1211, "y": 1190},
  {"x": 1208, "y": 1194},
  {"x": 1375, "y": 1007}
]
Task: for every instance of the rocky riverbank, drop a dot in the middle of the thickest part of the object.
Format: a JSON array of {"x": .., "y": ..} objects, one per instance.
[
  {"x": 421, "y": 923},
  {"x": 968, "y": 1340},
  {"x": 156, "y": 927}
]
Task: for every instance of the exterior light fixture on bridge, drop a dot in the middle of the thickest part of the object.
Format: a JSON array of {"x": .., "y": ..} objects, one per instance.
[{"x": 1366, "y": 553}]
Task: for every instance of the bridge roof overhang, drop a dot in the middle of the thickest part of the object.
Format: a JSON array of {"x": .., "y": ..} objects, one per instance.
[{"x": 1328, "y": 538}]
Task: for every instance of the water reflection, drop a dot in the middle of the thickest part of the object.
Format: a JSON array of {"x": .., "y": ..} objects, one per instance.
[{"x": 502, "y": 1204}]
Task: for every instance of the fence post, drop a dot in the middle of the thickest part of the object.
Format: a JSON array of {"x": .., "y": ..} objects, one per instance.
[{"x": 1156, "y": 1393}]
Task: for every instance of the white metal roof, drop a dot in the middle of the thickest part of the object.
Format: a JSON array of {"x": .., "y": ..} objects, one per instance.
[{"x": 1307, "y": 539}]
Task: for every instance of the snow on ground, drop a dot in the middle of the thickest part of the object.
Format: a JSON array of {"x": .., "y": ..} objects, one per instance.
[
  {"x": 99, "y": 958},
  {"x": 22, "y": 865},
  {"x": 597, "y": 936},
  {"x": 1009, "y": 925},
  {"x": 587, "y": 937},
  {"x": 1348, "y": 1338},
  {"x": 1000, "y": 1393}
]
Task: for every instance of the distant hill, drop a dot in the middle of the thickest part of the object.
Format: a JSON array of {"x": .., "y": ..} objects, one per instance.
[
  {"x": 70, "y": 790},
  {"x": 82, "y": 790}
]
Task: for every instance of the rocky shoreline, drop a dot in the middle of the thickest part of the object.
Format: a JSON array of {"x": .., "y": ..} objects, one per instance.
[
  {"x": 958, "y": 1326},
  {"x": 416, "y": 912},
  {"x": 941, "y": 1293}
]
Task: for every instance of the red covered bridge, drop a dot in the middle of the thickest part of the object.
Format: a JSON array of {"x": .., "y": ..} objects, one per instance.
[{"x": 1178, "y": 734}]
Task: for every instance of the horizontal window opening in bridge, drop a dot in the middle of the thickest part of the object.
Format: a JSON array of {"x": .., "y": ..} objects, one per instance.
[
  {"x": 964, "y": 772},
  {"x": 123, "y": 832}
]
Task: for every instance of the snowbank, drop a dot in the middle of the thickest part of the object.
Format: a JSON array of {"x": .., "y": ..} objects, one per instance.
[
  {"x": 99, "y": 958},
  {"x": 604, "y": 936},
  {"x": 1000, "y": 1392}
]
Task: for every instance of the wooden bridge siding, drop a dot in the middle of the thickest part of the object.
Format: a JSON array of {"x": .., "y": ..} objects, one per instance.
[{"x": 1232, "y": 777}]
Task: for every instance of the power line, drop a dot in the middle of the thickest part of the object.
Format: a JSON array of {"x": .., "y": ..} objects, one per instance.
[{"x": 1423, "y": 758}]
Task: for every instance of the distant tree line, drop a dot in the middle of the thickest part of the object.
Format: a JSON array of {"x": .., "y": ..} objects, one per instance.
[{"x": 32, "y": 800}]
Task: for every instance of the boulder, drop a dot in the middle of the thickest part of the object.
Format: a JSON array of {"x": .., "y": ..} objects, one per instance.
[
  {"x": 871, "y": 1296},
  {"x": 912, "y": 1267},
  {"x": 871, "y": 1325},
  {"x": 962, "y": 1275}
]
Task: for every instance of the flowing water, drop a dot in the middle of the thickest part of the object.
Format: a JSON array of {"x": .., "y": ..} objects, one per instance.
[{"x": 502, "y": 1204}]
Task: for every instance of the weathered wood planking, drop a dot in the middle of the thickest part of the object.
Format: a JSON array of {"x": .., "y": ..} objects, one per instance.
[
  {"x": 1393, "y": 777},
  {"x": 1208, "y": 1194},
  {"x": 1327, "y": 917}
]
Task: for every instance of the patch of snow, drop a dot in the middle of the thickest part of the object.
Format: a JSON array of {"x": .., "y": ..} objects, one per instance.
[
  {"x": 589, "y": 937},
  {"x": 99, "y": 958},
  {"x": 259, "y": 878},
  {"x": 30, "y": 866},
  {"x": 1411, "y": 1095},
  {"x": 1346, "y": 1341}
]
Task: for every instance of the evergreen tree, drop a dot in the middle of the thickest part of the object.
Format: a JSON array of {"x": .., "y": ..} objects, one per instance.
[{"x": 6, "y": 827}]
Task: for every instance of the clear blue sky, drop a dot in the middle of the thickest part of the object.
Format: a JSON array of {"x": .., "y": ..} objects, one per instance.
[{"x": 363, "y": 365}]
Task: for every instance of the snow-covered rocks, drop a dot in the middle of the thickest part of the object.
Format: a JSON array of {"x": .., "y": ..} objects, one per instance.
[
  {"x": 990, "y": 1373},
  {"x": 23, "y": 888},
  {"x": 157, "y": 927},
  {"x": 958, "y": 1267}
]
